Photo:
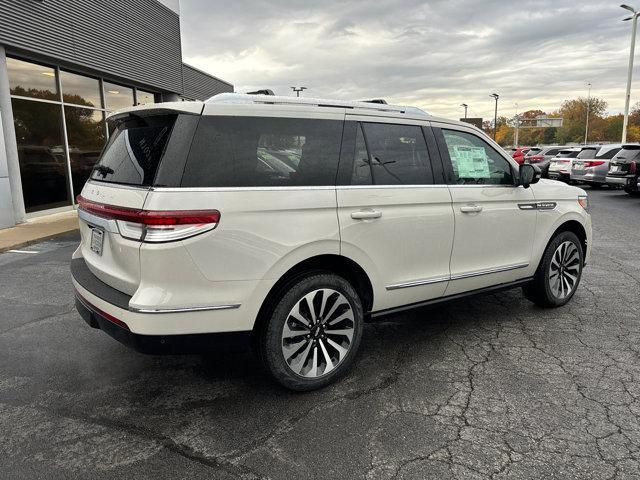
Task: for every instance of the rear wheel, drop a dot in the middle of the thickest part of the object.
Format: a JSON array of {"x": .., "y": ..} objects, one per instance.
[
  {"x": 314, "y": 332},
  {"x": 559, "y": 272},
  {"x": 633, "y": 193}
]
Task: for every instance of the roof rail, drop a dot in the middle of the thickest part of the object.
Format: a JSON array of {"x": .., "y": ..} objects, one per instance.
[
  {"x": 264, "y": 91},
  {"x": 381, "y": 101},
  {"x": 243, "y": 98}
]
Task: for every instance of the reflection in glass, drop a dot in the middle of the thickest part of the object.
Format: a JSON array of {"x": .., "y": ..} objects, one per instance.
[
  {"x": 32, "y": 80},
  {"x": 144, "y": 97},
  {"x": 80, "y": 90},
  {"x": 43, "y": 166},
  {"x": 86, "y": 134},
  {"x": 117, "y": 96}
]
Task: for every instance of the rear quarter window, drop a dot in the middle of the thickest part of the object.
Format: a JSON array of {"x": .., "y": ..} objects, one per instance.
[{"x": 263, "y": 151}]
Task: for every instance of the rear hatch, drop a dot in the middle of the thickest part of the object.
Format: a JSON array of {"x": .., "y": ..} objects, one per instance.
[
  {"x": 585, "y": 158},
  {"x": 146, "y": 145},
  {"x": 624, "y": 162}
]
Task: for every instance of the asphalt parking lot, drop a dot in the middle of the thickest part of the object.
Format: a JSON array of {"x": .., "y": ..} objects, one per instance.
[{"x": 488, "y": 387}]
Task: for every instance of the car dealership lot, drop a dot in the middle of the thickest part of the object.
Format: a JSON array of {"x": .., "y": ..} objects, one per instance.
[{"x": 488, "y": 386}]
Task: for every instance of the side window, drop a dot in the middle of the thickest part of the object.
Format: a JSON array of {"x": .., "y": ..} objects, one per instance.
[
  {"x": 263, "y": 151},
  {"x": 398, "y": 154},
  {"x": 474, "y": 161}
]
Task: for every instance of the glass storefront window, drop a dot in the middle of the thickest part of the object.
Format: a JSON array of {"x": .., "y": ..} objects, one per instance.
[
  {"x": 80, "y": 90},
  {"x": 117, "y": 96},
  {"x": 86, "y": 135},
  {"x": 32, "y": 80},
  {"x": 43, "y": 164},
  {"x": 144, "y": 97}
]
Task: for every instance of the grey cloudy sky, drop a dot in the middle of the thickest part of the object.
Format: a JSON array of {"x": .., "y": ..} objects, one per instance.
[{"x": 435, "y": 55}]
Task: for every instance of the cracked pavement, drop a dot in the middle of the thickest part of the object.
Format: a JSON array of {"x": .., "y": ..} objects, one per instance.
[{"x": 489, "y": 387}]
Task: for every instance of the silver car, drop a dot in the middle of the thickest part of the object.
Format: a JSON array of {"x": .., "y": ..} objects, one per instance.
[
  {"x": 560, "y": 165},
  {"x": 591, "y": 165},
  {"x": 541, "y": 156}
]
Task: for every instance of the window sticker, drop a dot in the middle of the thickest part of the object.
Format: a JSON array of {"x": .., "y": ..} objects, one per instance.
[{"x": 470, "y": 162}]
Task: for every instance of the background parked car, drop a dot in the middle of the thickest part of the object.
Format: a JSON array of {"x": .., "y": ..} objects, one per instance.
[
  {"x": 541, "y": 156},
  {"x": 623, "y": 169},
  {"x": 592, "y": 168},
  {"x": 518, "y": 154},
  {"x": 560, "y": 165}
]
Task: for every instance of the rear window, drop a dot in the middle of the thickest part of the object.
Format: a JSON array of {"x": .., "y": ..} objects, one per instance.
[
  {"x": 568, "y": 153},
  {"x": 533, "y": 151},
  {"x": 628, "y": 153},
  {"x": 263, "y": 151},
  {"x": 552, "y": 151},
  {"x": 134, "y": 150},
  {"x": 607, "y": 154},
  {"x": 587, "y": 153}
]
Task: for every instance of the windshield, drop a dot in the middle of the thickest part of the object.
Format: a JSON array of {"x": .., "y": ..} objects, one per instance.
[{"x": 134, "y": 150}]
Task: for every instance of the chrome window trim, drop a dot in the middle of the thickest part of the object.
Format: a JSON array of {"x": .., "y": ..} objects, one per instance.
[
  {"x": 97, "y": 221},
  {"x": 292, "y": 188},
  {"x": 459, "y": 276},
  {"x": 238, "y": 189},
  {"x": 185, "y": 309},
  {"x": 98, "y": 183}
]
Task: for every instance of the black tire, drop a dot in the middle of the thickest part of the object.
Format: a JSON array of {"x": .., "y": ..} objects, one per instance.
[
  {"x": 633, "y": 193},
  {"x": 271, "y": 343},
  {"x": 541, "y": 290}
]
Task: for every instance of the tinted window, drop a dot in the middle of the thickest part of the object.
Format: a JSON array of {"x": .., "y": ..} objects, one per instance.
[
  {"x": 31, "y": 80},
  {"x": 86, "y": 135},
  {"x": 474, "y": 161},
  {"x": 117, "y": 96},
  {"x": 533, "y": 151},
  {"x": 628, "y": 153},
  {"x": 398, "y": 154},
  {"x": 134, "y": 150},
  {"x": 608, "y": 154},
  {"x": 587, "y": 153},
  {"x": 257, "y": 151},
  {"x": 552, "y": 151},
  {"x": 80, "y": 90}
]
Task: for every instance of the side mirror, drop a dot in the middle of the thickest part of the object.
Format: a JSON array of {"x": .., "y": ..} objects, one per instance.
[{"x": 529, "y": 174}]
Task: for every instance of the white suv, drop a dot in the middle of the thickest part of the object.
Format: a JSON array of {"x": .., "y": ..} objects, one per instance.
[{"x": 289, "y": 222}]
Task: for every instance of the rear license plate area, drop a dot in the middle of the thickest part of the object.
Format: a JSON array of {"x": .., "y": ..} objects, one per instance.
[{"x": 97, "y": 240}]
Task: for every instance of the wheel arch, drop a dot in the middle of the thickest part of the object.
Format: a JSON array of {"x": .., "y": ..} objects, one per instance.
[
  {"x": 575, "y": 227},
  {"x": 332, "y": 263}
]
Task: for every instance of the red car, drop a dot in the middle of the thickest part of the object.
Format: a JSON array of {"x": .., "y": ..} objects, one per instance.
[{"x": 518, "y": 154}]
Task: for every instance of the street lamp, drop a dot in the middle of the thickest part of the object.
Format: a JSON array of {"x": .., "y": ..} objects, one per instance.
[
  {"x": 586, "y": 127},
  {"x": 465, "y": 106},
  {"x": 633, "y": 17},
  {"x": 298, "y": 90},
  {"x": 495, "y": 117}
]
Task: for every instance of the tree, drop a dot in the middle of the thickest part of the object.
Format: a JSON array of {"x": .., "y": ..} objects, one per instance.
[{"x": 574, "y": 113}]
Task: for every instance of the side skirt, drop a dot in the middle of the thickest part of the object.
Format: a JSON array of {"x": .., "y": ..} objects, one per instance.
[{"x": 450, "y": 298}]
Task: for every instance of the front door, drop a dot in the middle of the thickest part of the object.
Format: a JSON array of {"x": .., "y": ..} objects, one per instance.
[
  {"x": 494, "y": 219},
  {"x": 394, "y": 221}
]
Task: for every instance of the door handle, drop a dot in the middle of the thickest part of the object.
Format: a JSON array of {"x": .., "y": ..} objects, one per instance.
[
  {"x": 366, "y": 214},
  {"x": 471, "y": 209}
]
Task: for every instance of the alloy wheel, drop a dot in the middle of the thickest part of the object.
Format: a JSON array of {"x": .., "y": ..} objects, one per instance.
[
  {"x": 318, "y": 333},
  {"x": 564, "y": 270}
]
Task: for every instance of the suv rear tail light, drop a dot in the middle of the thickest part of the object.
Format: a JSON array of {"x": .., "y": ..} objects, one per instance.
[
  {"x": 633, "y": 168},
  {"x": 593, "y": 163},
  {"x": 535, "y": 158},
  {"x": 154, "y": 226}
]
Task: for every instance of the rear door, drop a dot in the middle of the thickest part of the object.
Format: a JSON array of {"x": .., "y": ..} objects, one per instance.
[
  {"x": 120, "y": 182},
  {"x": 395, "y": 220},
  {"x": 495, "y": 221}
]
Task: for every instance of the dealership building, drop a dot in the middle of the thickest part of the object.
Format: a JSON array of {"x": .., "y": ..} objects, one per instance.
[{"x": 64, "y": 65}]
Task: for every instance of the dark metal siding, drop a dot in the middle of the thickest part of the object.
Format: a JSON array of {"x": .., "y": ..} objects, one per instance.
[
  {"x": 200, "y": 86},
  {"x": 135, "y": 40}
]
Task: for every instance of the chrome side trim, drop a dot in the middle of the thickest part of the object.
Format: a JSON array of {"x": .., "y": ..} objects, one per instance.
[
  {"x": 98, "y": 183},
  {"x": 417, "y": 283},
  {"x": 489, "y": 271},
  {"x": 185, "y": 309},
  {"x": 237, "y": 189},
  {"x": 460, "y": 276}
]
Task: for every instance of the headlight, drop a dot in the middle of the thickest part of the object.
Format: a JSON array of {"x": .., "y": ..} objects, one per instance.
[{"x": 583, "y": 201}]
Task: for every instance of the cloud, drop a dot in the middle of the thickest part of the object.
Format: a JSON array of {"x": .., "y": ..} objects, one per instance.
[{"x": 435, "y": 55}]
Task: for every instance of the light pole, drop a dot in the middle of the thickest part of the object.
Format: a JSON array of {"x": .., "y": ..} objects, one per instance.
[
  {"x": 495, "y": 117},
  {"x": 465, "y": 106},
  {"x": 586, "y": 127},
  {"x": 633, "y": 17},
  {"x": 517, "y": 135},
  {"x": 298, "y": 90}
]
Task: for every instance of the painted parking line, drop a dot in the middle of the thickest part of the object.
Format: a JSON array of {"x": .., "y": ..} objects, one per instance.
[{"x": 23, "y": 251}]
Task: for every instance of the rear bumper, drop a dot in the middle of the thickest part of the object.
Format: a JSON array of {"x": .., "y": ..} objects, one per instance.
[
  {"x": 630, "y": 181},
  {"x": 556, "y": 175},
  {"x": 107, "y": 309},
  {"x": 162, "y": 344}
]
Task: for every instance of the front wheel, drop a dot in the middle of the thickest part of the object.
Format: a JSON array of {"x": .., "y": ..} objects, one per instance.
[
  {"x": 559, "y": 272},
  {"x": 314, "y": 332}
]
